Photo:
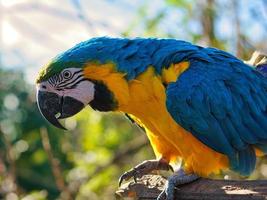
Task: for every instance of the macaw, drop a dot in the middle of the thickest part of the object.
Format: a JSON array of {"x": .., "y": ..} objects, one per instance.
[{"x": 202, "y": 106}]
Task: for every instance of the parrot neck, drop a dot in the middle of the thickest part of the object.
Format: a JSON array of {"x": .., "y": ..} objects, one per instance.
[
  {"x": 114, "y": 92},
  {"x": 112, "y": 86},
  {"x": 103, "y": 99}
]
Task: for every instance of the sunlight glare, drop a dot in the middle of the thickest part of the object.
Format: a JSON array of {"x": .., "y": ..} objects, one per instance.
[
  {"x": 9, "y": 33},
  {"x": 9, "y": 3}
]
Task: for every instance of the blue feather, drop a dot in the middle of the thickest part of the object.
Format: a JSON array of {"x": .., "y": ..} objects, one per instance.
[
  {"x": 227, "y": 102},
  {"x": 219, "y": 99}
]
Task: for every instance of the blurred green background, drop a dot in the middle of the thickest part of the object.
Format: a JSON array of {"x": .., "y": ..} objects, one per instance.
[{"x": 38, "y": 161}]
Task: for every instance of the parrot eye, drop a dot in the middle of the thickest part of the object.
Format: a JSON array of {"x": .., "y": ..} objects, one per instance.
[{"x": 67, "y": 74}]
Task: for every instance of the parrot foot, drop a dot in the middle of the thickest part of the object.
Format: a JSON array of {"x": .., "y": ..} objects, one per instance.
[
  {"x": 144, "y": 168},
  {"x": 179, "y": 178}
]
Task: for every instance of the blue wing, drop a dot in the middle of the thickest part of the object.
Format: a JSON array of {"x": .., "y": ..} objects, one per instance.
[{"x": 223, "y": 103}]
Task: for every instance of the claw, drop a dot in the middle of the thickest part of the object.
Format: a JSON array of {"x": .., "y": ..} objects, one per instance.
[
  {"x": 133, "y": 173},
  {"x": 121, "y": 180},
  {"x": 125, "y": 176},
  {"x": 174, "y": 181},
  {"x": 171, "y": 168},
  {"x": 145, "y": 168},
  {"x": 162, "y": 196}
]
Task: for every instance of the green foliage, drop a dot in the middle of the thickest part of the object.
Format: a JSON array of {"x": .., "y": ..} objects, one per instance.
[
  {"x": 184, "y": 4},
  {"x": 21, "y": 145}
]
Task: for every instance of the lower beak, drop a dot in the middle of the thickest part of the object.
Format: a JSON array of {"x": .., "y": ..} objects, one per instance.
[{"x": 51, "y": 104}]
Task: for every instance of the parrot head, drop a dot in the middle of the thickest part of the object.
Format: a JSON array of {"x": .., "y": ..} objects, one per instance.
[{"x": 63, "y": 90}]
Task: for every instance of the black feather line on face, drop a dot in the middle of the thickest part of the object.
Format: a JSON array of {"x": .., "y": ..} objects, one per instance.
[
  {"x": 75, "y": 84},
  {"x": 104, "y": 99},
  {"x": 65, "y": 84},
  {"x": 60, "y": 83}
]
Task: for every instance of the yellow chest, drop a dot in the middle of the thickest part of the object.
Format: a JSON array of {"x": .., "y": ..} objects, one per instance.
[
  {"x": 144, "y": 100},
  {"x": 147, "y": 107}
]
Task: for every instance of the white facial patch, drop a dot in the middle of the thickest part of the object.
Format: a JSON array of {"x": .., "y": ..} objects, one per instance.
[
  {"x": 84, "y": 92},
  {"x": 70, "y": 82}
]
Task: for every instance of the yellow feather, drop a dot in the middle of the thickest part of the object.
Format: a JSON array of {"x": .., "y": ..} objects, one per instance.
[
  {"x": 173, "y": 72},
  {"x": 113, "y": 80},
  {"x": 144, "y": 99}
]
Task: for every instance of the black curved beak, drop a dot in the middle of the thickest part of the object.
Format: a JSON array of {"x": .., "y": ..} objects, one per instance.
[{"x": 52, "y": 105}]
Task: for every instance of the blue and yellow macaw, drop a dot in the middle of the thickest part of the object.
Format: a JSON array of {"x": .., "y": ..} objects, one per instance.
[{"x": 199, "y": 105}]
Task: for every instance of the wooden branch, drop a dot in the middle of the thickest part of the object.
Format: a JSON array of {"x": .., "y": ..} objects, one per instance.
[
  {"x": 55, "y": 165},
  {"x": 149, "y": 187},
  {"x": 11, "y": 175}
]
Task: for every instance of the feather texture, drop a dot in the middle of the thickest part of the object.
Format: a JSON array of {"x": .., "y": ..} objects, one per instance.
[
  {"x": 215, "y": 106},
  {"x": 130, "y": 56},
  {"x": 224, "y": 105}
]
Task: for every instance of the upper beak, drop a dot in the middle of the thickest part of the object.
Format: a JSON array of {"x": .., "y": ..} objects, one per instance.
[{"x": 51, "y": 104}]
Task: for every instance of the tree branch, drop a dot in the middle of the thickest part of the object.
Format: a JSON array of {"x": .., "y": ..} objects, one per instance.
[
  {"x": 55, "y": 165},
  {"x": 149, "y": 187}
]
